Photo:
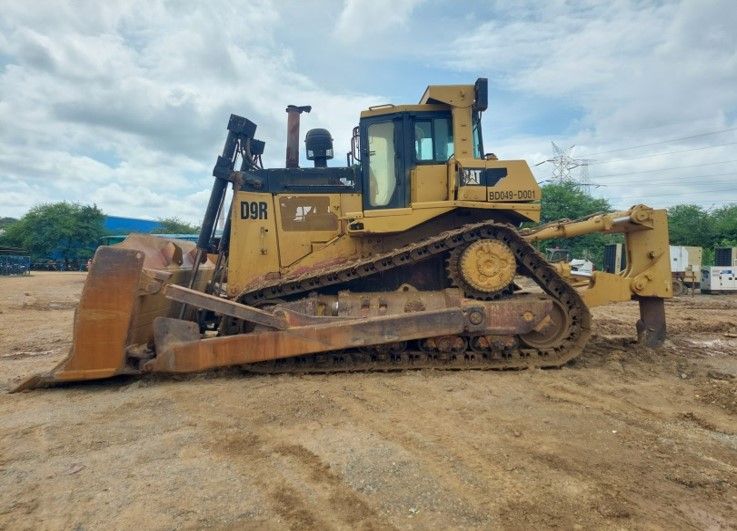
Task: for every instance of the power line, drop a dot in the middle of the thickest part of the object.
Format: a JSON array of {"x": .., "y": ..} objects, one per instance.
[
  {"x": 675, "y": 180},
  {"x": 675, "y": 201},
  {"x": 674, "y": 194},
  {"x": 665, "y": 169},
  {"x": 711, "y": 202},
  {"x": 673, "y": 125},
  {"x": 684, "y": 192},
  {"x": 665, "y": 153},
  {"x": 665, "y": 141}
]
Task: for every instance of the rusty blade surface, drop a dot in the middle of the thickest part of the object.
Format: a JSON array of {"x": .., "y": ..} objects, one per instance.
[
  {"x": 120, "y": 299},
  {"x": 101, "y": 321}
]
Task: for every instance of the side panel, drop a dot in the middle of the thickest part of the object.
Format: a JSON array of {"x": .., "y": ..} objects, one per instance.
[
  {"x": 497, "y": 181},
  {"x": 695, "y": 255},
  {"x": 503, "y": 183},
  {"x": 429, "y": 183},
  {"x": 718, "y": 279},
  {"x": 304, "y": 220},
  {"x": 254, "y": 251},
  {"x": 291, "y": 236},
  {"x": 350, "y": 203}
]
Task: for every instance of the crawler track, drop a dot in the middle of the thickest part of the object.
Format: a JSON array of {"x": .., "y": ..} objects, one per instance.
[{"x": 565, "y": 346}]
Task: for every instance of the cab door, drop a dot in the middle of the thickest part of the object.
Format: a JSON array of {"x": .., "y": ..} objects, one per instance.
[
  {"x": 384, "y": 163},
  {"x": 432, "y": 147}
]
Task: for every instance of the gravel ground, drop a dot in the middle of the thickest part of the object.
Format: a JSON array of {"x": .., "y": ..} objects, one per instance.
[{"x": 624, "y": 437}]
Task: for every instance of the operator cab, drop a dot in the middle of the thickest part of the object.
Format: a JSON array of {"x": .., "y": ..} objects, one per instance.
[
  {"x": 395, "y": 144},
  {"x": 405, "y": 150},
  {"x": 408, "y": 164}
]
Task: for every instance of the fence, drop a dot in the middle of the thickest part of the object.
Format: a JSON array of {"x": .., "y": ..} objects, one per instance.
[{"x": 14, "y": 264}]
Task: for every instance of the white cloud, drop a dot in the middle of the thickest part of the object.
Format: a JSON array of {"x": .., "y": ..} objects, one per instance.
[
  {"x": 102, "y": 102},
  {"x": 625, "y": 62},
  {"x": 638, "y": 72},
  {"x": 126, "y": 103},
  {"x": 363, "y": 20}
]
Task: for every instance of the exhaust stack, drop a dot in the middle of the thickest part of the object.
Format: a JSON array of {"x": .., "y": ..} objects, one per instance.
[{"x": 293, "y": 113}]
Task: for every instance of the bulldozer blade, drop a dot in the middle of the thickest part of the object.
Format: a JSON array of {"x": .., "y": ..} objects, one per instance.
[
  {"x": 120, "y": 300},
  {"x": 101, "y": 321}
]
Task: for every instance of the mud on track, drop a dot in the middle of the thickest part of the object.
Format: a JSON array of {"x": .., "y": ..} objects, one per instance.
[{"x": 624, "y": 437}]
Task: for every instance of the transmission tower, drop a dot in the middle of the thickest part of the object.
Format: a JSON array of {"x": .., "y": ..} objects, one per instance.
[{"x": 563, "y": 162}]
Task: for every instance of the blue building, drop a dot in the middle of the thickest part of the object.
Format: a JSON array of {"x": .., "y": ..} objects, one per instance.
[{"x": 121, "y": 225}]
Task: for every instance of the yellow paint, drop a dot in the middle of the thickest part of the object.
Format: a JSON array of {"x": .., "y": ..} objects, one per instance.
[
  {"x": 472, "y": 193},
  {"x": 350, "y": 203},
  {"x": 648, "y": 254},
  {"x": 453, "y": 95},
  {"x": 254, "y": 250},
  {"x": 518, "y": 186},
  {"x": 394, "y": 221},
  {"x": 296, "y": 239},
  {"x": 381, "y": 110},
  {"x": 338, "y": 228},
  {"x": 429, "y": 183},
  {"x": 488, "y": 265}
]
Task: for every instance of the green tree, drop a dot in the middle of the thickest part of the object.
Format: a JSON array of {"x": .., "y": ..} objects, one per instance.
[
  {"x": 5, "y": 222},
  {"x": 175, "y": 226},
  {"x": 570, "y": 201},
  {"x": 70, "y": 230},
  {"x": 725, "y": 226},
  {"x": 690, "y": 225}
]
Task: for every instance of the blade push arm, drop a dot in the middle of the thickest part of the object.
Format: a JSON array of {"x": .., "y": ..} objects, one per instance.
[{"x": 647, "y": 277}]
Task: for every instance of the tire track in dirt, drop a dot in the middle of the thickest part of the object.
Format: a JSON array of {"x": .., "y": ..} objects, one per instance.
[
  {"x": 459, "y": 461},
  {"x": 427, "y": 450},
  {"x": 652, "y": 425},
  {"x": 304, "y": 491}
]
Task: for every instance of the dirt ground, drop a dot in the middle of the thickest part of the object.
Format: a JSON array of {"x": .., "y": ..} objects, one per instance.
[{"x": 624, "y": 437}]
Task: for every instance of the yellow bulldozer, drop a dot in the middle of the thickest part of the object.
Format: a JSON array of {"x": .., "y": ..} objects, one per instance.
[{"x": 409, "y": 256}]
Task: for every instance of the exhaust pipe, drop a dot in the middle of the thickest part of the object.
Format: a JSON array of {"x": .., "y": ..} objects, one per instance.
[{"x": 293, "y": 113}]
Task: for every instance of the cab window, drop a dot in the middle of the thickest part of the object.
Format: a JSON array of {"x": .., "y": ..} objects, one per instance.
[
  {"x": 382, "y": 174},
  {"x": 478, "y": 146},
  {"x": 443, "y": 139},
  {"x": 433, "y": 140},
  {"x": 423, "y": 141}
]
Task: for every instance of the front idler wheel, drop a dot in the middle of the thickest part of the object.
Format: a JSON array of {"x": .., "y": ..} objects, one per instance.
[{"x": 551, "y": 331}]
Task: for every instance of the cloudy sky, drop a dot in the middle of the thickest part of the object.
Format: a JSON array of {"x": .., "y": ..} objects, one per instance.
[{"x": 124, "y": 104}]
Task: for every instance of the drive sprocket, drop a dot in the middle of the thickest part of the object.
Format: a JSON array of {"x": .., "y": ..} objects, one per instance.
[{"x": 483, "y": 269}]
